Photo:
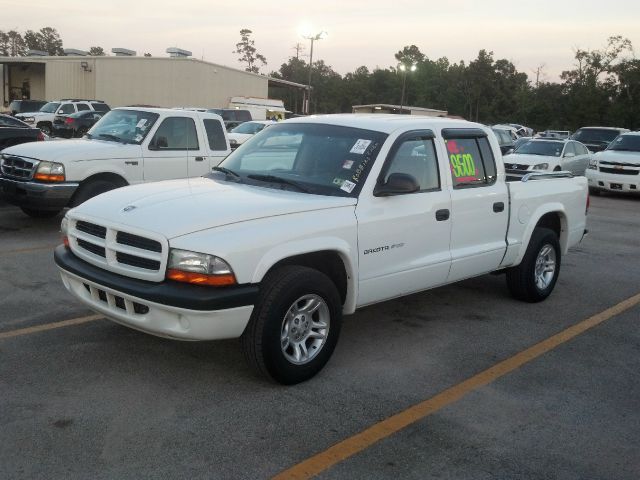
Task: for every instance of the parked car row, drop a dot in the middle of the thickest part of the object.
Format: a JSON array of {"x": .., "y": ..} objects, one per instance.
[{"x": 45, "y": 117}]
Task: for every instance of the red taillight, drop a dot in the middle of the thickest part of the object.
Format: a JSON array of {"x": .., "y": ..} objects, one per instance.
[
  {"x": 588, "y": 203},
  {"x": 68, "y": 121},
  {"x": 40, "y": 137}
]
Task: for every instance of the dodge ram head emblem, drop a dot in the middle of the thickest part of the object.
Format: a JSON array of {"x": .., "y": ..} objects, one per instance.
[
  {"x": 128, "y": 208},
  {"x": 514, "y": 166}
]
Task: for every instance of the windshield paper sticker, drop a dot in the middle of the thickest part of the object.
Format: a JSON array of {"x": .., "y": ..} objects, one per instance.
[
  {"x": 338, "y": 181},
  {"x": 360, "y": 146},
  {"x": 463, "y": 166},
  {"x": 347, "y": 164},
  {"x": 348, "y": 186},
  {"x": 138, "y": 138},
  {"x": 141, "y": 123}
]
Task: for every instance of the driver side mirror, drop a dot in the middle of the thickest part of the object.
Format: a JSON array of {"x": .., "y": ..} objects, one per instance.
[
  {"x": 569, "y": 155},
  {"x": 397, "y": 184}
]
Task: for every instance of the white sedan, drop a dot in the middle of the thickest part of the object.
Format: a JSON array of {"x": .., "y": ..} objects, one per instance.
[
  {"x": 246, "y": 130},
  {"x": 549, "y": 155}
]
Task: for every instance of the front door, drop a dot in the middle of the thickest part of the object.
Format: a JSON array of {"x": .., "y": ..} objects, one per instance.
[
  {"x": 403, "y": 240},
  {"x": 479, "y": 205},
  {"x": 166, "y": 156}
]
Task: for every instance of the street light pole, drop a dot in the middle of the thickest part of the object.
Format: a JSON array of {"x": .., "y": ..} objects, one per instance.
[
  {"x": 404, "y": 69},
  {"x": 312, "y": 38}
]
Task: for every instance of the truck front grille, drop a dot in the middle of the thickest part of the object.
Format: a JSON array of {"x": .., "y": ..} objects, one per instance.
[
  {"x": 116, "y": 301},
  {"x": 18, "y": 168},
  {"x": 122, "y": 252},
  {"x": 619, "y": 171}
]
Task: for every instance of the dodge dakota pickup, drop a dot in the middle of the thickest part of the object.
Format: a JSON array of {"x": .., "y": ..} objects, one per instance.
[
  {"x": 310, "y": 220},
  {"x": 125, "y": 147}
]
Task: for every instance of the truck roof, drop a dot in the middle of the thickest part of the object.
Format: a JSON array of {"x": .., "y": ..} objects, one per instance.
[
  {"x": 171, "y": 111},
  {"x": 387, "y": 123}
]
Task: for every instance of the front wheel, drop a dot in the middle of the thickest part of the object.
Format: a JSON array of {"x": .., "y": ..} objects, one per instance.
[
  {"x": 294, "y": 326},
  {"x": 45, "y": 128},
  {"x": 92, "y": 189},
  {"x": 536, "y": 276},
  {"x": 594, "y": 191}
]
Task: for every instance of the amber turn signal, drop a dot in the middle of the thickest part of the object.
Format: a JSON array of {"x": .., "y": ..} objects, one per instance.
[{"x": 201, "y": 278}]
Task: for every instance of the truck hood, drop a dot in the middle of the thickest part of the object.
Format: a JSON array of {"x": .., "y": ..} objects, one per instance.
[
  {"x": 179, "y": 207},
  {"x": 65, "y": 151},
  {"x": 631, "y": 158},
  {"x": 525, "y": 159}
]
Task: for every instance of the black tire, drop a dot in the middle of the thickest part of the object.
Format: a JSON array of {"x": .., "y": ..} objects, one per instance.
[
  {"x": 81, "y": 132},
  {"x": 45, "y": 128},
  {"x": 37, "y": 213},
  {"x": 521, "y": 280},
  {"x": 261, "y": 339},
  {"x": 557, "y": 169},
  {"x": 92, "y": 189},
  {"x": 594, "y": 191}
]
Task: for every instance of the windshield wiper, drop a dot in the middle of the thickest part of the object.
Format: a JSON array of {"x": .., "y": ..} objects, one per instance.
[
  {"x": 280, "y": 180},
  {"x": 227, "y": 172},
  {"x": 110, "y": 137}
]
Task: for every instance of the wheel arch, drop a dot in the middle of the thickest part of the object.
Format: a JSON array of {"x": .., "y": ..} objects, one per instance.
[
  {"x": 554, "y": 218},
  {"x": 333, "y": 261},
  {"x": 115, "y": 178}
]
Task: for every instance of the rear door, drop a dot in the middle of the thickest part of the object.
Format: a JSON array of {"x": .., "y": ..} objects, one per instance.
[
  {"x": 216, "y": 140},
  {"x": 479, "y": 204}
]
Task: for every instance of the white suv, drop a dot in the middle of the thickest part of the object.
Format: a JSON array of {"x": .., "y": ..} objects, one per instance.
[{"x": 43, "y": 119}]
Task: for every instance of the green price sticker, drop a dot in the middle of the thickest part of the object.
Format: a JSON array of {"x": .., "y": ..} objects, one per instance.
[{"x": 462, "y": 165}]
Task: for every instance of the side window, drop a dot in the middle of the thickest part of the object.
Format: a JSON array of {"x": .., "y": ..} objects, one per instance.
[
  {"x": 416, "y": 157},
  {"x": 176, "y": 133},
  {"x": 471, "y": 162},
  {"x": 581, "y": 149},
  {"x": 82, "y": 107},
  {"x": 568, "y": 149},
  {"x": 215, "y": 135},
  {"x": 66, "y": 109}
]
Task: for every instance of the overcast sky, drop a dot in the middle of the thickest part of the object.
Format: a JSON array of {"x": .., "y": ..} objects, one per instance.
[{"x": 359, "y": 32}]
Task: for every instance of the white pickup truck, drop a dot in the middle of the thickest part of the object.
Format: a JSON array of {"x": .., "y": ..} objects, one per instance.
[
  {"x": 127, "y": 146},
  {"x": 311, "y": 219}
]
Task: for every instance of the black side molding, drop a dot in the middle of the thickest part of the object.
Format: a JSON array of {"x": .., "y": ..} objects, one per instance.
[{"x": 174, "y": 294}]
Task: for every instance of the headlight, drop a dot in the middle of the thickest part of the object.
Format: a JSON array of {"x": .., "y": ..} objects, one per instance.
[
  {"x": 199, "y": 269},
  {"x": 50, "y": 172},
  {"x": 593, "y": 164},
  {"x": 541, "y": 166}
]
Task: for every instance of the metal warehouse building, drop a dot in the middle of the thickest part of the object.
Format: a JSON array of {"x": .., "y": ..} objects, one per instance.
[{"x": 128, "y": 80}]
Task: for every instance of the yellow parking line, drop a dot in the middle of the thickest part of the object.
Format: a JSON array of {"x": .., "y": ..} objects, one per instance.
[
  {"x": 49, "y": 326},
  {"x": 365, "y": 439}
]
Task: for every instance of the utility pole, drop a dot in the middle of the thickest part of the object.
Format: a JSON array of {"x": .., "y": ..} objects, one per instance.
[{"x": 298, "y": 47}]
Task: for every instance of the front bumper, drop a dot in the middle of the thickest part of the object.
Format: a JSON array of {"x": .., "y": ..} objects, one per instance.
[
  {"x": 167, "y": 309},
  {"x": 612, "y": 182},
  {"x": 43, "y": 196}
]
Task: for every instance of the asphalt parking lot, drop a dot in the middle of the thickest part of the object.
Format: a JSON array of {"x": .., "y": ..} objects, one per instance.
[{"x": 91, "y": 399}]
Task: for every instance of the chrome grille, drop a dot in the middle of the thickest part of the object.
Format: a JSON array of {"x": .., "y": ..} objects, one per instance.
[
  {"x": 17, "y": 167},
  {"x": 619, "y": 171},
  {"x": 124, "y": 252}
]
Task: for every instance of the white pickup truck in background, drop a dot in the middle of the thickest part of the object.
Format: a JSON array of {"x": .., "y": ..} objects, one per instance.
[
  {"x": 127, "y": 146},
  {"x": 311, "y": 219}
]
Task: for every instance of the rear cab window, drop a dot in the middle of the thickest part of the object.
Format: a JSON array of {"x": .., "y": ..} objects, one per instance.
[{"x": 471, "y": 160}]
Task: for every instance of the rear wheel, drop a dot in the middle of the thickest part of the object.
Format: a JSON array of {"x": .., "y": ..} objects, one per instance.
[
  {"x": 92, "y": 189},
  {"x": 81, "y": 132},
  {"x": 38, "y": 213},
  {"x": 534, "y": 279},
  {"x": 594, "y": 191},
  {"x": 294, "y": 326}
]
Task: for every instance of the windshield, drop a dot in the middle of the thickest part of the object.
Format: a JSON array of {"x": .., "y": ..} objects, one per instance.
[
  {"x": 322, "y": 159},
  {"x": 249, "y": 127},
  {"x": 626, "y": 143},
  {"x": 503, "y": 137},
  {"x": 595, "y": 135},
  {"x": 548, "y": 149},
  {"x": 127, "y": 126},
  {"x": 50, "y": 107}
]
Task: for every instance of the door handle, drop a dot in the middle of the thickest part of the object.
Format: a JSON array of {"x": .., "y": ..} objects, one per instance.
[
  {"x": 199, "y": 159},
  {"x": 133, "y": 162},
  {"x": 498, "y": 207},
  {"x": 442, "y": 215}
]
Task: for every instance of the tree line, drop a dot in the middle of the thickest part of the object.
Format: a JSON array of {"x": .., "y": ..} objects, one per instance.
[
  {"x": 602, "y": 87},
  {"x": 47, "y": 39}
]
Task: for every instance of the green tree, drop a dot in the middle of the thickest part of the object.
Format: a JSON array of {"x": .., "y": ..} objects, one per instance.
[
  {"x": 97, "y": 52},
  {"x": 4, "y": 44},
  {"x": 17, "y": 46},
  {"x": 248, "y": 52},
  {"x": 46, "y": 39}
]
